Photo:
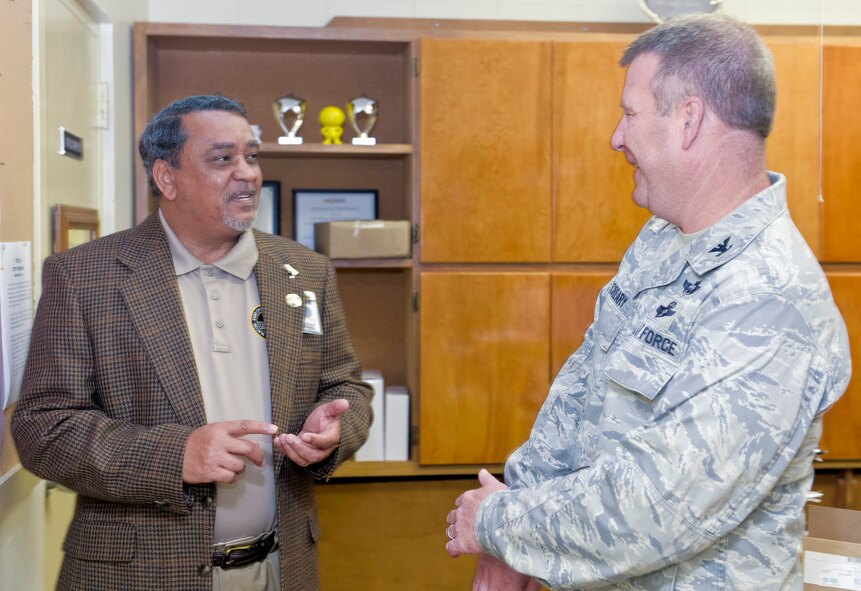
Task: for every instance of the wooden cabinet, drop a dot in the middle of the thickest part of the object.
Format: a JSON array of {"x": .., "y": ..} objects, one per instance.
[
  {"x": 380, "y": 535},
  {"x": 498, "y": 147},
  {"x": 574, "y": 294},
  {"x": 492, "y": 343},
  {"x": 842, "y": 423},
  {"x": 516, "y": 162},
  {"x": 793, "y": 146},
  {"x": 595, "y": 218},
  {"x": 841, "y": 155},
  {"x": 484, "y": 356},
  {"x": 485, "y": 119}
]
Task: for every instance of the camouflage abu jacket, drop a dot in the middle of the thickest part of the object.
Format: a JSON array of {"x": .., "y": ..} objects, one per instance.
[{"x": 674, "y": 448}]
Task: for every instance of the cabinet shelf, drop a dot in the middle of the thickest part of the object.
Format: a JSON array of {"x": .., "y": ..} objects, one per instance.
[
  {"x": 412, "y": 469},
  {"x": 409, "y": 469},
  {"x": 372, "y": 263},
  {"x": 270, "y": 149}
]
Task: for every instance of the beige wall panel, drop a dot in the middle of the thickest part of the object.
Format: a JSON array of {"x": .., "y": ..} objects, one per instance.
[
  {"x": 841, "y": 158},
  {"x": 485, "y": 118},
  {"x": 483, "y": 363},
  {"x": 572, "y": 311},
  {"x": 595, "y": 219},
  {"x": 16, "y": 122},
  {"x": 793, "y": 146},
  {"x": 843, "y": 422}
]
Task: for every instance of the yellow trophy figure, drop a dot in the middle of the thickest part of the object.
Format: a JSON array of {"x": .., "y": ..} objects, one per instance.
[{"x": 332, "y": 124}]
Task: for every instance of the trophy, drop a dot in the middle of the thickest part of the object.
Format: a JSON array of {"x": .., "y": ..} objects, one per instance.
[
  {"x": 362, "y": 112},
  {"x": 290, "y": 113}
]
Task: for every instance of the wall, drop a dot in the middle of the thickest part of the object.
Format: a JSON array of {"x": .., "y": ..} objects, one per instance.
[
  {"x": 121, "y": 14},
  {"x": 16, "y": 123},
  {"x": 20, "y": 518},
  {"x": 319, "y": 12}
]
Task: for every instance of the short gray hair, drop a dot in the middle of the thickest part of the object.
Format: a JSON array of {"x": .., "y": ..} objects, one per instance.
[
  {"x": 164, "y": 137},
  {"x": 717, "y": 58}
]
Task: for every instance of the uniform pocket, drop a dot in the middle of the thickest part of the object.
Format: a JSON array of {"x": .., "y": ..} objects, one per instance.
[{"x": 642, "y": 362}]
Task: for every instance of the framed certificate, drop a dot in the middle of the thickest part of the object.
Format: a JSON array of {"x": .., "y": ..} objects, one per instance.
[
  {"x": 311, "y": 206},
  {"x": 269, "y": 208}
]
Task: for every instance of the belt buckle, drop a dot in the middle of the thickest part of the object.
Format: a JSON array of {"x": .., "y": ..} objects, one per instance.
[{"x": 227, "y": 561}]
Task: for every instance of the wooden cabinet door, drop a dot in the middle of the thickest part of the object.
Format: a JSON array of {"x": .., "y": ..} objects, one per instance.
[
  {"x": 792, "y": 148},
  {"x": 483, "y": 363},
  {"x": 485, "y": 118},
  {"x": 843, "y": 422},
  {"x": 595, "y": 218},
  {"x": 841, "y": 157},
  {"x": 572, "y": 311}
]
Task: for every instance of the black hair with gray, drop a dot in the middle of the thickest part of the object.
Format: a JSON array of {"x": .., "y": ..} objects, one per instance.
[
  {"x": 717, "y": 58},
  {"x": 164, "y": 136}
]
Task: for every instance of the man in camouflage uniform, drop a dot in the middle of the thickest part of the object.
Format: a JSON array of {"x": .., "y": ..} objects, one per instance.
[{"x": 674, "y": 449}]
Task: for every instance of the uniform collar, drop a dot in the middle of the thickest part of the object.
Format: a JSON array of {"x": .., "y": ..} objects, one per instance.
[
  {"x": 239, "y": 261},
  {"x": 719, "y": 244},
  {"x": 734, "y": 232}
]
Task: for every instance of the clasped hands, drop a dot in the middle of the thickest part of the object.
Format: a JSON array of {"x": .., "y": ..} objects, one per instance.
[
  {"x": 490, "y": 574},
  {"x": 217, "y": 452}
]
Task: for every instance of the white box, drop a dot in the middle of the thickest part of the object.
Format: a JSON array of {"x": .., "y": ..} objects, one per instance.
[
  {"x": 374, "y": 448},
  {"x": 832, "y": 549},
  {"x": 397, "y": 424}
]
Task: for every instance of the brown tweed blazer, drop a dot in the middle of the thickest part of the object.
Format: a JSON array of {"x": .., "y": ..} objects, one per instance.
[{"x": 111, "y": 394}]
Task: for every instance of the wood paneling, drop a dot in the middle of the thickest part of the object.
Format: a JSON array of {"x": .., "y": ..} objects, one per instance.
[
  {"x": 793, "y": 146},
  {"x": 390, "y": 536},
  {"x": 841, "y": 158},
  {"x": 376, "y": 305},
  {"x": 388, "y": 176},
  {"x": 595, "y": 219},
  {"x": 839, "y": 488},
  {"x": 483, "y": 363},
  {"x": 485, "y": 120},
  {"x": 572, "y": 310},
  {"x": 842, "y": 424}
]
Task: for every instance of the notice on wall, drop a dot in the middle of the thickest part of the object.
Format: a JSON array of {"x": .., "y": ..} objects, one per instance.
[{"x": 16, "y": 316}]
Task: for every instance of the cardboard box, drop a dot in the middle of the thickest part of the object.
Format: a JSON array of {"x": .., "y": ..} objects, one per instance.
[
  {"x": 363, "y": 239},
  {"x": 832, "y": 549}
]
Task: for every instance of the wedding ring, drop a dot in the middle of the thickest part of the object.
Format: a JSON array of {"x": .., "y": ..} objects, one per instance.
[{"x": 448, "y": 532}]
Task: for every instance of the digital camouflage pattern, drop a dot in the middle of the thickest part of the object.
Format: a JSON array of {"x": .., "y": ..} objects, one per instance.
[{"x": 674, "y": 449}]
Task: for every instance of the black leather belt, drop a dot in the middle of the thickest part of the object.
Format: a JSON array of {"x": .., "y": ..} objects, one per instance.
[{"x": 242, "y": 554}]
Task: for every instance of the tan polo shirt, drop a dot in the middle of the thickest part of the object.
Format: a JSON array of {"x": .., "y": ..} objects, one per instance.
[{"x": 225, "y": 322}]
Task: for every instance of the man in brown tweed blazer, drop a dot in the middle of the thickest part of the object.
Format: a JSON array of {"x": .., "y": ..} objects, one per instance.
[{"x": 117, "y": 399}]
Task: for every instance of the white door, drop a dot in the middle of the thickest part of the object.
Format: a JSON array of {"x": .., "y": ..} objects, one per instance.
[{"x": 71, "y": 92}]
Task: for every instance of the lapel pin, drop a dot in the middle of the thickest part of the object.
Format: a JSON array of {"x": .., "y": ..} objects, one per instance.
[
  {"x": 293, "y": 300},
  {"x": 293, "y": 272}
]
